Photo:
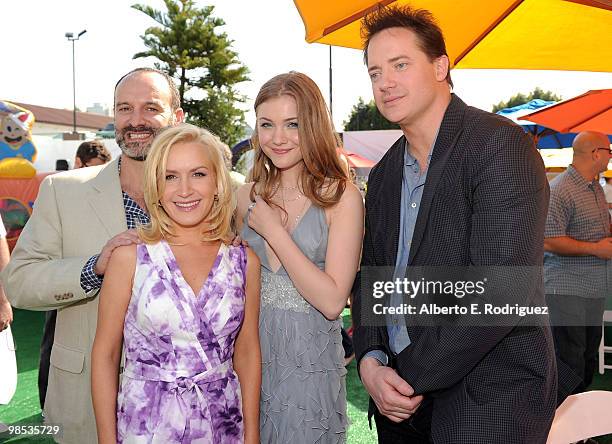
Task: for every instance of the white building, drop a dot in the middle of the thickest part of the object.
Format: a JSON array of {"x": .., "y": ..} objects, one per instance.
[{"x": 98, "y": 108}]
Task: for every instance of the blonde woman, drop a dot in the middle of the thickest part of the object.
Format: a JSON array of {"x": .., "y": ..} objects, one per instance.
[
  {"x": 185, "y": 305},
  {"x": 304, "y": 219}
]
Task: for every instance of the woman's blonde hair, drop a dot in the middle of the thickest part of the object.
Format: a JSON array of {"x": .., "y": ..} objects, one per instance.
[
  {"x": 218, "y": 221},
  {"x": 323, "y": 179}
]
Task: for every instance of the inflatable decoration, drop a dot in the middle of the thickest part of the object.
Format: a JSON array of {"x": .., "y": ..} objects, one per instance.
[
  {"x": 19, "y": 181},
  {"x": 17, "y": 152},
  {"x": 17, "y": 198}
]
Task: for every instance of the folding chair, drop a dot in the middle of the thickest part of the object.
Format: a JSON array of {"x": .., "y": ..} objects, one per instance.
[{"x": 603, "y": 348}]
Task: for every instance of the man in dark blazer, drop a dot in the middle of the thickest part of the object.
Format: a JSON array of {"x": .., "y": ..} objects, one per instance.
[{"x": 461, "y": 188}]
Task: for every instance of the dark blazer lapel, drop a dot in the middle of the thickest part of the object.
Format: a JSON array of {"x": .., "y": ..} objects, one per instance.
[
  {"x": 450, "y": 130},
  {"x": 390, "y": 201},
  {"x": 106, "y": 200}
]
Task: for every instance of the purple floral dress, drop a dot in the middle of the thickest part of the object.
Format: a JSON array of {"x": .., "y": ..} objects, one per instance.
[{"x": 179, "y": 385}]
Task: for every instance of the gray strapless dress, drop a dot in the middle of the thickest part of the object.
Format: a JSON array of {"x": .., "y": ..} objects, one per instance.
[{"x": 303, "y": 393}]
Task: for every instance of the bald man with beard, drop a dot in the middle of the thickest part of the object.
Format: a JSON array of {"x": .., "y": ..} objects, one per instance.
[{"x": 578, "y": 249}]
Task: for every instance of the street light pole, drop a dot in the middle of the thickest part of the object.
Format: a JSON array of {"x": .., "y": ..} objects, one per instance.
[
  {"x": 71, "y": 38},
  {"x": 74, "y": 131}
]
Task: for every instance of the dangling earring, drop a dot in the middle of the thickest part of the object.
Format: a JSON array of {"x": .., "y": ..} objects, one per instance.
[{"x": 216, "y": 199}]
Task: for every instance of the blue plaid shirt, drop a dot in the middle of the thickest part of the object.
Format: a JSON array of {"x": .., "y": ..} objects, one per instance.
[{"x": 134, "y": 215}]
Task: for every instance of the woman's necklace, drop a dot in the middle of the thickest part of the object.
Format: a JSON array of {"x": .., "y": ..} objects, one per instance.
[
  {"x": 299, "y": 216},
  {"x": 299, "y": 195},
  {"x": 285, "y": 201},
  {"x": 283, "y": 189}
]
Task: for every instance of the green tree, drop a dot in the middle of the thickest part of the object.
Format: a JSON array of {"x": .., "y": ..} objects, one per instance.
[
  {"x": 365, "y": 116},
  {"x": 190, "y": 49},
  {"x": 217, "y": 113},
  {"x": 520, "y": 98}
]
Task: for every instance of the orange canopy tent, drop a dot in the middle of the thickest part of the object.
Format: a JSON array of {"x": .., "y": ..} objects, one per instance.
[
  {"x": 497, "y": 34},
  {"x": 591, "y": 111}
]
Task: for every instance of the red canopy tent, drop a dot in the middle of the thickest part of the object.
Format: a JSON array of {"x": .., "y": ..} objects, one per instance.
[{"x": 591, "y": 111}]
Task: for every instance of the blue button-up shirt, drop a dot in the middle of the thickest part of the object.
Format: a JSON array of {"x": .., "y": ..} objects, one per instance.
[{"x": 413, "y": 183}]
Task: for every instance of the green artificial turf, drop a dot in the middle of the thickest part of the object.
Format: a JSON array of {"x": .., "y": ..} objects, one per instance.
[
  {"x": 24, "y": 407},
  {"x": 357, "y": 402}
]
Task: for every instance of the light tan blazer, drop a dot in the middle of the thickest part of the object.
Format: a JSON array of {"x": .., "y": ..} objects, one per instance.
[{"x": 75, "y": 214}]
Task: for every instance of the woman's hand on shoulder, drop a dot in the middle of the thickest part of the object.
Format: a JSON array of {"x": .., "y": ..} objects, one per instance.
[
  {"x": 126, "y": 237},
  {"x": 122, "y": 260}
]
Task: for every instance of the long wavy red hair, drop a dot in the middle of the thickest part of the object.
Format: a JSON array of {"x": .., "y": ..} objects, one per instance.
[{"x": 323, "y": 179}]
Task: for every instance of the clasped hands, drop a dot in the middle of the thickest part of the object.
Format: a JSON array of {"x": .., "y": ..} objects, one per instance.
[{"x": 393, "y": 396}]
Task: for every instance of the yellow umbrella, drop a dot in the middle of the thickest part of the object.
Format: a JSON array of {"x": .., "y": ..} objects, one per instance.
[{"x": 497, "y": 34}]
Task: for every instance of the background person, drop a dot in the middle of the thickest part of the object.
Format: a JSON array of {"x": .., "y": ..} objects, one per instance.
[
  {"x": 236, "y": 178},
  {"x": 190, "y": 302},
  {"x": 304, "y": 219},
  {"x": 91, "y": 153},
  {"x": 578, "y": 251}
]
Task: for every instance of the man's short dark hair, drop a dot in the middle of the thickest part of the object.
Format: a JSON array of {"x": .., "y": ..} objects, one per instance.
[
  {"x": 175, "y": 98},
  {"x": 92, "y": 149},
  {"x": 420, "y": 21}
]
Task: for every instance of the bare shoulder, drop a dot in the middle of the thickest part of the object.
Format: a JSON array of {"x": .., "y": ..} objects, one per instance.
[
  {"x": 350, "y": 200},
  {"x": 124, "y": 256},
  {"x": 352, "y": 194},
  {"x": 350, "y": 206}
]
